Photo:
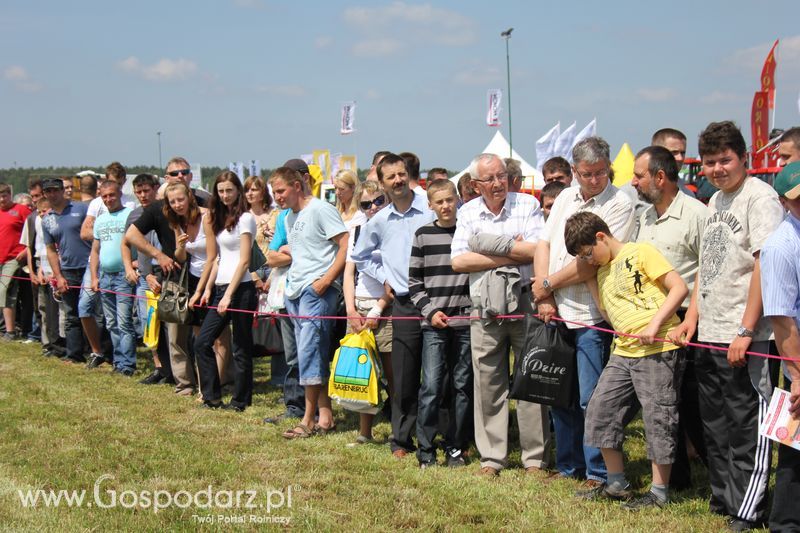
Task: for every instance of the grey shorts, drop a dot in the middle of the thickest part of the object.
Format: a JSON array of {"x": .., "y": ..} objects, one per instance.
[
  {"x": 627, "y": 383},
  {"x": 8, "y": 285}
]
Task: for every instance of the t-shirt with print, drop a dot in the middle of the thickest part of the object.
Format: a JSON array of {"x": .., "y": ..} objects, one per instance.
[
  {"x": 97, "y": 207},
  {"x": 310, "y": 233},
  {"x": 11, "y": 222},
  {"x": 631, "y": 296},
  {"x": 64, "y": 230},
  {"x": 109, "y": 228},
  {"x": 737, "y": 227}
]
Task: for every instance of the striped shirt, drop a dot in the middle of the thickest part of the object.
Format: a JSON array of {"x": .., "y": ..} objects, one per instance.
[
  {"x": 433, "y": 285},
  {"x": 780, "y": 271},
  {"x": 575, "y": 302}
]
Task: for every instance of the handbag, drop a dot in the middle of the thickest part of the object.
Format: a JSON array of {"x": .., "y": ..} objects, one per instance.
[
  {"x": 152, "y": 324},
  {"x": 545, "y": 372},
  {"x": 276, "y": 298},
  {"x": 257, "y": 259},
  {"x": 267, "y": 338},
  {"x": 356, "y": 374},
  {"x": 173, "y": 302}
]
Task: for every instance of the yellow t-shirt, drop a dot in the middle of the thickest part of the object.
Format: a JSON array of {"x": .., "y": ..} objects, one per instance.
[{"x": 631, "y": 296}]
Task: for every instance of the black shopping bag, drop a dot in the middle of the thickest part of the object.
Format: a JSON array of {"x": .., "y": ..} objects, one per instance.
[{"x": 545, "y": 372}]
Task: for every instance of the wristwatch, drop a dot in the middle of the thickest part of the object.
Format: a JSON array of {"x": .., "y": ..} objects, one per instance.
[
  {"x": 546, "y": 285},
  {"x": 744, "y": 332}
]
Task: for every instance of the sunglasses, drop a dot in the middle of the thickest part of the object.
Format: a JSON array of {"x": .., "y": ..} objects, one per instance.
[
  {"x": 182, "y": 172},
  {"x": 379, "y": 201}
]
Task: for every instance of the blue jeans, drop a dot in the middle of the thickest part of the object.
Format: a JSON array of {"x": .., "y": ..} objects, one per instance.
[
  {"x": 445, "y": 354},
  {"x": 89, "y": 301},
  {"x": 141, "y": 306},
  {"x": 294, "y": 395},
  {"x": 572, "y": 457},
  {"x": 118, "y": 311},
  {"x": 313, "y": 335}
]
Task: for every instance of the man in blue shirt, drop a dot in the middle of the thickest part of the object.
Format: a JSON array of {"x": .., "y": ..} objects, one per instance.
[
  {"x": 68, "y": 256},
  {"x": 391, "y": 231},
  {"x": 780, "y": 292}
]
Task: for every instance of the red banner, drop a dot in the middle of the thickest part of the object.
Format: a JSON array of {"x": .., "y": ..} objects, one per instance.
[
  {"x": 759, "y": 121},
  {"x": 768, "y": 76}
]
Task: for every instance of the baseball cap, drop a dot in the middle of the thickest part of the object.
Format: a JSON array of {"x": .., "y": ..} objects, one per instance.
[
  {"x": 298, "y": 165},
  {"x": 52, "y": 183},
  {"x": 787, "y": 182}
]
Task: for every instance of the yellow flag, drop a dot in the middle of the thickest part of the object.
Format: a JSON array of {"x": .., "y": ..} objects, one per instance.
[
  {"x": 316, "y": 179},
  {"x": 623, "y": 166}
]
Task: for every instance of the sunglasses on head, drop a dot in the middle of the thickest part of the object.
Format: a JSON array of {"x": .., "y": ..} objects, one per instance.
[
  {"x": 378, "y": 201},
  {"x": 181, "y": 172}
]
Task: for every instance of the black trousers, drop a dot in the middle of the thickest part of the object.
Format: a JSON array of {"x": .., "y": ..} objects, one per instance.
[
  {"x": 406, "y": 368},
  {"x": 241, "y": 344},
  {"x": 689, "y": 426},
  {"x": 738, "y": 458},
  {"x": 785, "y": 514}
]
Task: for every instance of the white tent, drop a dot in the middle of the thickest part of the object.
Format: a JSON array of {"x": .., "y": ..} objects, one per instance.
[{"x": 499, "y": 145}]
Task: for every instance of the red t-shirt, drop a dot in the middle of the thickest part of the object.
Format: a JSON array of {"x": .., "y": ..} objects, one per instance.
[{"x": 11, "y": 223}]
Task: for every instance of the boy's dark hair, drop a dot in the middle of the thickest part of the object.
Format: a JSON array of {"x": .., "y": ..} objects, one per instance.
[
  {"x": 719, "y": 136},
  {"x": 145, "y": 179},
  {"x": 553, "y": 189},
  {"x": 660, "y": 159},
  {"x": 792, "y": 135},
  {"x": 581, "y": 230},
  {"x": 412, "y": 165},
  {"x": 554, "y": 164}
]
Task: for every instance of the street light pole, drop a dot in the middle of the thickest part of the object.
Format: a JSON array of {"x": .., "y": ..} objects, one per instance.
[
  {"x": 507, "y": 35},
  {"x": 160, "y": 168}
]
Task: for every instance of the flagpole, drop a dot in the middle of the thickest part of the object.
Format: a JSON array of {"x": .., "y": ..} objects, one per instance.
[
  {"x": 507, "y": 35},
  {"x": 775, "y": 86}
]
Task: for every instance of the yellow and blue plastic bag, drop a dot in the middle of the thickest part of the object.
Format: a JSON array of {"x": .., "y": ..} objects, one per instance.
[
  {"x": 152, "y": 324},
  {"x": 356, "y": 373}
]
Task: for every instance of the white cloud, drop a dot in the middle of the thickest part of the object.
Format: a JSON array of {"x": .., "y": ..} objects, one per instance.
[
  {"x": 721, "y": 97},
  {"x": 323, "y": 41},
  {"x": 752, "y": 59},
  {"x": 479, "y": 75},
  {"x": 295, "y": 91},
  {"x": 657, "y": 95},
  {"x": 21, "y": 80},
  {"x": 164, "y": 69},
  {"x": 418, "y": 23}
]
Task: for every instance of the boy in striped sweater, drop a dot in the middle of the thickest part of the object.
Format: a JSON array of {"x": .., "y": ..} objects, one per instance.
[{"x": 441, "y": 294}]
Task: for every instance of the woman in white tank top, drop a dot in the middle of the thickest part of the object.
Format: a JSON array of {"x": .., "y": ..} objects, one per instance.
[
  {"x": 229, "y": 230},
  {"x": 186, "y": 220}
]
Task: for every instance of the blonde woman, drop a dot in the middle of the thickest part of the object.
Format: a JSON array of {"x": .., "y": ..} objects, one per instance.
[{"x": 348, "y": 192}]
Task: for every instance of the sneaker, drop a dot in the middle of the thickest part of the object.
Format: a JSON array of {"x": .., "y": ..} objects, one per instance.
[
  {"x": 737, "y": 524},
  {"x": 232, "y": 407},
  {"x": 455, "y": 458},
  {"x": 154, "y": 379},
  {"x": 210, "y": 405},
  {"x": 125, "y": 372},
  {"x": 10, "y": 336},
  {"x": 95, "y": 360},
  {"x": 602, "y": 491},
  {"x": 648, "y": 501}
]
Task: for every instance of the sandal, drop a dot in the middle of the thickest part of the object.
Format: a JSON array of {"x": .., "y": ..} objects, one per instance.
[
  {"x": 324, "y": 431},
  {"x": 300, "y": 431}
]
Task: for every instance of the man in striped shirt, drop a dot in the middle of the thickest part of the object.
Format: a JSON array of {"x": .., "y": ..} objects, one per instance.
[{"x": 440, "y": 293}]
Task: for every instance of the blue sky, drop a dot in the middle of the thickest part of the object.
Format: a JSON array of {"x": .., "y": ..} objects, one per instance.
[{"x": 88, "y": 82}]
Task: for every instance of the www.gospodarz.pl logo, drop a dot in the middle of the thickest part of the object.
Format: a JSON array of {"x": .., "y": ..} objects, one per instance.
[{"x": 157, "y": 500}]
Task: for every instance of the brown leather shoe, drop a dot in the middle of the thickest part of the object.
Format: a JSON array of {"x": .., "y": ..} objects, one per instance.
[
  {"x": 399, "y": 453},
  {"x": 536, "y": 471},
  {"x": 488, "y": 472}
]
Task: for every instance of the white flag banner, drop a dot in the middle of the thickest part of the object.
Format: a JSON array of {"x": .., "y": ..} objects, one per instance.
[
  {"x": 308, "y": 158},
  {"x": 493, "y": 112},
  {"x": 588, "y": 131},
  {"x": 232, "y": 166},
  {"x": 546, "y": 144},
  {"x": 335, "y": 164},
  {"x": 564, "y": 142},
  {"x": 255, "y": 167},
  {"x": 348, "y": 118},
  {"x": 240, "y": 170}
]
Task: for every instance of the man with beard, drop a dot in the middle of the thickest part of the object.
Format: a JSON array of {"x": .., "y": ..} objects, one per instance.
[
  {"x": 391, "y": 232},
  {"x": 673, "y": 223}
]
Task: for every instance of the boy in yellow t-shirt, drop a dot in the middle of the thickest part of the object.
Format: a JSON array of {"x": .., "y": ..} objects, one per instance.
[{"x": 639, "y": 291}]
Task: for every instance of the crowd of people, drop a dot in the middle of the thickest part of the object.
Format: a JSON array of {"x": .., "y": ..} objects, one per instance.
[{"x": 429, "y": 271}]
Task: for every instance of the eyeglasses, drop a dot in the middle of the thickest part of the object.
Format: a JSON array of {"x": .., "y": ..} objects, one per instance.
[
  {"x": 500, "y": 176},
  {"x": 378, "y": 201},
  {"x": 181, "y": 172},
  {"x": 600, "y": 174}
]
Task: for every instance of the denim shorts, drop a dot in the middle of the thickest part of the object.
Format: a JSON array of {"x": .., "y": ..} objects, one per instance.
[{"x": 312, "y": 334}]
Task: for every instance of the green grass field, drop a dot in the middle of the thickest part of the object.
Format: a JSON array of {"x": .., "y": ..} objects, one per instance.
[{"x": 63, "y": 427}]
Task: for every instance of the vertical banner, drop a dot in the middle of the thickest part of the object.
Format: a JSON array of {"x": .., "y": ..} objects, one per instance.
[
  {"x": 335, "y": 161},
  {"x": 588, "y": 131},
  {"x": 563, "y": 145},
  {"x": 759, "y": 123},
  {"x": 322, "y": 158},
  {"x": 545, "y": 146},
  {"x": 348, "y": 118},
  {"x": 493, "y": 111},
  {"x": 197, "y": 177},
  {"x": 348, "y": 162},
  {"x": 232, "y": 166},
  {"x": 768, "y": 76},
  {"x": 254, "y": 167}
]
